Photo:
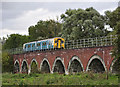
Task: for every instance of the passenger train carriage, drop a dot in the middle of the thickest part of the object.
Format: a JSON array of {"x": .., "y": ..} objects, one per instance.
[{"x": 56, "y": 42}]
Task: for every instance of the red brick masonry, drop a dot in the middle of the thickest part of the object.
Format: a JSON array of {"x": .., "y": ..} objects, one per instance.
[{"x": 85, "y": 55}]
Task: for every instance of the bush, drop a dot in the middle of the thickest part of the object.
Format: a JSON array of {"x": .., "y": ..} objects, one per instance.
[{"x": 7, "y": 62}]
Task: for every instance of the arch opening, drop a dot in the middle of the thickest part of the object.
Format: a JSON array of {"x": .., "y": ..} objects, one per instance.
[
  {"x": 16, "y": 67},
  {"x": 116, "y": 67},
  {"x": 24, "y": 68},
  {"x": 34, "y": 68},
  {"x": 96, "y": 66},
  {"x": 59, "y": 67},
  {"x": 45, "y": 67},
  {"x": 75, "y": 66}
]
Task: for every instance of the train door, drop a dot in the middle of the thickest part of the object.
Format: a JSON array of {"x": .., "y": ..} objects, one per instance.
[
  {"x": 44, "y": 45},
  {"x": 38, "y": 46},
  {"x": 28, "y": 47},
  {"x": 33, "y": 46},
  {"x": 59, "y": 43}
]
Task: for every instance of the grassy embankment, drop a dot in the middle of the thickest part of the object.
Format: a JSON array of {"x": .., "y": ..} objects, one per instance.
[{"x": 59, "y": 79}]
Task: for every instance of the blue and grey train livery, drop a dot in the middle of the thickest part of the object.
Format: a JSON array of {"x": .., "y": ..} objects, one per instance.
[{"x": 56, "y": 42}]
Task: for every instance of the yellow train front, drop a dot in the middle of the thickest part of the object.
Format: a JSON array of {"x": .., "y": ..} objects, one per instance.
[{"x": 59, "y": 42}]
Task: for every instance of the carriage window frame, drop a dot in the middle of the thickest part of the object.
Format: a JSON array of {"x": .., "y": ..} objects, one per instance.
[
  {"x": 49, "y": 43},
  {"x": 45, "y": 43},
  {"x": 38, "y": 44},
  {"x": 33, "y": 45},
  {"x": 28, "y": 45}
]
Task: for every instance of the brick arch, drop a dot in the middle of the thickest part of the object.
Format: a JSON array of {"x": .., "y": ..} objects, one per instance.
[
  {"x": 111, "y": 66},
  {"x": 45, "y": 59},
  {"x": 58, "y": 58},
  {"x": 16, "y": 61},
  {"x": 31, "y": 63},
  {"x": 26, "y": 63},
  {"x": 75, "y": 58},
  {"x": 114, "y": 67},
  {"x": 96, "y": 57}
]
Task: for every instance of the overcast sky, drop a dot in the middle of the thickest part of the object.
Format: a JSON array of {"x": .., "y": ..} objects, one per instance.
[{"x": 18, "y": 16}]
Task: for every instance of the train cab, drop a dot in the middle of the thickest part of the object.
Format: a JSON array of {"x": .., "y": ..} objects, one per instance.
[{"x": 59, "y": 42}]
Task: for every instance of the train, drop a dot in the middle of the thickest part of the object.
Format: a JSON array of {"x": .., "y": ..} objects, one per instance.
[{"x": 53, "y": 43}]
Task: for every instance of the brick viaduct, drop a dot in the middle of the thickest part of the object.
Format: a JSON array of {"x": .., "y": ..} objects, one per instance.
[{"x": 98, "y": 59}]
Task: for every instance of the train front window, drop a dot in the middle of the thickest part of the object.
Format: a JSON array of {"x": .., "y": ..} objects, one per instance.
[
  {"x": 55, "y": 41},
  {"x": 61, "y": 41}
]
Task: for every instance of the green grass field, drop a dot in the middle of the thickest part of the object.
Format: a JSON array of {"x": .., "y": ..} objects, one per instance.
[{"x": 59, "y": 79}]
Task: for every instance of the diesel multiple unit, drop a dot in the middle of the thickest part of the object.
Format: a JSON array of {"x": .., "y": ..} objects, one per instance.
[{"x": 56, "y": 42}]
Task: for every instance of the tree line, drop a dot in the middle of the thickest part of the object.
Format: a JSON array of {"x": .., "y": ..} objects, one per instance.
[{"x": 75, "y": 24}]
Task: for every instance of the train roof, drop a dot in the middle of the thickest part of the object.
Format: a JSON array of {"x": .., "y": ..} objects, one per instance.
[
  {"x": 49, "y": 39},
  {"x": 42, "y": 40}
]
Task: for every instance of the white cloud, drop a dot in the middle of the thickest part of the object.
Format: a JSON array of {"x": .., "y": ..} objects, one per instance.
[
  {"x": 31, "y": 17},
  {"x": 20, "y": 24},
  {"x": 60, "y": 0},
  {"x": 10, "y": 31},
  {"x": 110, "y": 9}
]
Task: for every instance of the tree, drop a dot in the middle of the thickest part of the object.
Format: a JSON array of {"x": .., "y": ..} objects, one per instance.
[
  {"x": 117, "y": 41},
  {"x": 44, "y": 29},
  {"x": 15, "y": 40},
  {"x": 113, "y": 19},
  {"x": 116, "y": 52},
  {"x": 79, "y": 23},
  {"x": 7, "y": 62}
]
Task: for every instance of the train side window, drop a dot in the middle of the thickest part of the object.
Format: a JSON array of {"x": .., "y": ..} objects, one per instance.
[
  {"x": 28, "y": 46},
  {"x": 38, "y": 44},
  {"x": 32, "y": 45},
  {"x": 45, "y": 43}
]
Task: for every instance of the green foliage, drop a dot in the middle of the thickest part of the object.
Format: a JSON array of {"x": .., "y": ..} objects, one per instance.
[
  {"x": 117, "y": 41},
  {"x": 44, "y": 29},
  {"x": 7, "y": 62},
  {"x": 112, "y": 18},
  {"x": 59, "y": 79},
  {"x": 15, "y": 40},
  {"x": 79, "y": 23},
  {"x": 34, "y": 68}
]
